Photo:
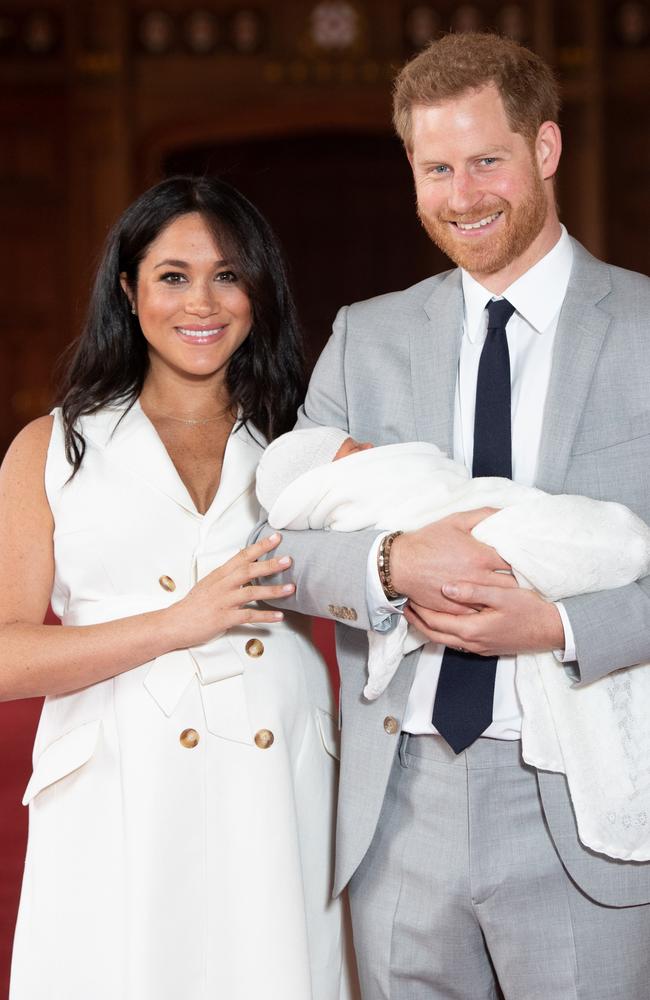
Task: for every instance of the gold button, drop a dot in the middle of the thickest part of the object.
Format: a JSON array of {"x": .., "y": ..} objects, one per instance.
[
  {"x": 189, "y": 738},
  {"x": 390, "y": 725},
  {"x": 264, "y": 738},
  {"x": 254, "y": 647},
  {"x": 167, "y": 583}
]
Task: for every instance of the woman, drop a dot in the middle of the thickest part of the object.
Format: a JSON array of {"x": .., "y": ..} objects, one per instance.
[{"x": 183, "y": 789}]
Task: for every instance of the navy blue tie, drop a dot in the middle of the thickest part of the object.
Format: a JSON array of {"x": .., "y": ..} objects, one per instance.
[{"x": 462, "y": 709}]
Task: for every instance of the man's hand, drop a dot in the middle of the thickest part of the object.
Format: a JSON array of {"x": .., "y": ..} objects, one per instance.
[
  {"x": 505, "y": 621},
  {"x": 422, "y": 561}
]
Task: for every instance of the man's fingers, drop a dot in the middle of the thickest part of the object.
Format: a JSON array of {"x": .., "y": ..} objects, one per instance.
[
  {"x": 496, "y": 563},
  {"x": 475, "y": 594},
  {"x": 467, "y": 520},
  {"x": 470, "y": 518},
  {"x": 501, "y": 578},
  {"x": 439, "y": 621},
  {"x": 443, "y": 605},
  {"x": 445, "y": 637}
]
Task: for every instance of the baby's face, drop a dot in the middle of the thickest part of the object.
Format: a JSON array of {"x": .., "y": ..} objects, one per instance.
[{"x": 350, "y": 446}]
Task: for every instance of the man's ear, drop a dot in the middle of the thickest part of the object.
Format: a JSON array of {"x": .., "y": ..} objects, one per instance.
[{"x": 548, "y": 148}]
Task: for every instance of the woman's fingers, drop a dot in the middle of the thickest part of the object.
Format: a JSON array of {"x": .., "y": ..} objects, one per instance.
[
  {"x": 256, "y": 593},
  {"x": 258, "y": 549},
  {"x": 269, "y": 567},
  {"x": 244, "y": 574},
  {"x": 249, "y": 555},
  {"x": 252, "y": 616},
  {"x": 224, "y": 597}
]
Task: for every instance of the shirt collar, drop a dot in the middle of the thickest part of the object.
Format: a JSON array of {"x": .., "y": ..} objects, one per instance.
[{"x": 537, "y": 295}]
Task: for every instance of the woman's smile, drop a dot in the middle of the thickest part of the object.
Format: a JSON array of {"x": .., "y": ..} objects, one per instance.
[
  {"x": 192, "y": 306},
  {"x": 201, "y": 335}
]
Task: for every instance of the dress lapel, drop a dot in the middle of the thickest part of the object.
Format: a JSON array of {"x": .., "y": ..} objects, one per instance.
[
  {"x": 581, "y": 332},
  {"x": 135, "y": 444},
  {"x": 435, "y": 347},
  {"x": 243, "y": 452}
]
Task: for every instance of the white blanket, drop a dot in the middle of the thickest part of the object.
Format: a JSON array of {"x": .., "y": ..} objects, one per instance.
[{"x": 597, "y": 735}]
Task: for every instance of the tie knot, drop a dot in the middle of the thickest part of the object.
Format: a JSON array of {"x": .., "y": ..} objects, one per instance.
[{"x": 499, "y": 312}]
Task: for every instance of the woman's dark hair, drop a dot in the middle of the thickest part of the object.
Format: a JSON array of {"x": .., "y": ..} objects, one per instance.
[{"x": 109, "y": 361}]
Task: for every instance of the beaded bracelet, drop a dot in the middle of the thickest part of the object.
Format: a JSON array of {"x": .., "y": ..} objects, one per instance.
[{"x": 383, "y": 564}]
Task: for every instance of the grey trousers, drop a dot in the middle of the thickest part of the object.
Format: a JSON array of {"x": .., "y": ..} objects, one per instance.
[{"x": 461, "y": 895}]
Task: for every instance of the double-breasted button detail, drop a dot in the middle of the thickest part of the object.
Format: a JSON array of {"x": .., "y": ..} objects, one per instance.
[
  {"x": 167, "y": 583},
  {"x": 254, "y": 647},
  {"x": 264, "y": 738},
  {"x": 391, "y": 725},
  {"x": 189, "y": 738}
]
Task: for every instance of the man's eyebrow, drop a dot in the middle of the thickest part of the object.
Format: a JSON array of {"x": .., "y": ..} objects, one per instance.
[{"x": 494, "y": 149}]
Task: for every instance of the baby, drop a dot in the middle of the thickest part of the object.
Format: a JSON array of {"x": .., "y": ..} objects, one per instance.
[{"x": 322, "y": 478}]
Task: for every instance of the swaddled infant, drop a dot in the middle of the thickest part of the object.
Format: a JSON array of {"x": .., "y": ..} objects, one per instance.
[{"x": 322, "y": 478}]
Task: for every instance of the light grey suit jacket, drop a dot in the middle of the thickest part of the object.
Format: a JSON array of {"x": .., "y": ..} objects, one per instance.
[{"x": 388, "y": 374}]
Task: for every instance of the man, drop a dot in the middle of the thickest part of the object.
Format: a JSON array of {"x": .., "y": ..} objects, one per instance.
[{"x": 467, "y": 878}]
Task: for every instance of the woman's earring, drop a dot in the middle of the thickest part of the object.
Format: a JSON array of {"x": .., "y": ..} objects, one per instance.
[{"x": 133, "y": 309}]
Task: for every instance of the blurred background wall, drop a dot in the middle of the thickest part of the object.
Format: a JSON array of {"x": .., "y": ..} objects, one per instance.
[{"x": 290, "y": 101}]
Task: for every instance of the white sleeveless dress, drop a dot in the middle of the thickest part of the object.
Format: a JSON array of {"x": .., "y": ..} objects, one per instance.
[{"x": 181, "y": 814}]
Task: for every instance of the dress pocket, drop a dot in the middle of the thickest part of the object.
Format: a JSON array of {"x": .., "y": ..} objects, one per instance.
[
  {"x": 329, "y": 733},
  {"x": 65, "y": 755}
]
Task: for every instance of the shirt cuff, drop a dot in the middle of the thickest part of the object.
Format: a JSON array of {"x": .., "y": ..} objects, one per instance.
[
  {"x": 381, "y": 611},
  {"x": 568, "y": 654}
]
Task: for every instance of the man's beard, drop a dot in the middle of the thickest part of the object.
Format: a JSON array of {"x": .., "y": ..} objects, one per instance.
[{"x": 493, "y": 252}]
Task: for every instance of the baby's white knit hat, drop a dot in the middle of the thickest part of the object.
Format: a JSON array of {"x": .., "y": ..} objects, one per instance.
[{"x": 293, "y": 454}]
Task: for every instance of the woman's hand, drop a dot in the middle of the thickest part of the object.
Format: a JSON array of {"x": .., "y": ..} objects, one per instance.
[
  {"x": 221, "y": 599},
  {"x": 37, "y": 659}
]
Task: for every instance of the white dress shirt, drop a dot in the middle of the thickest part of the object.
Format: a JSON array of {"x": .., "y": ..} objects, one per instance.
[{"x": 537, "y": 297}]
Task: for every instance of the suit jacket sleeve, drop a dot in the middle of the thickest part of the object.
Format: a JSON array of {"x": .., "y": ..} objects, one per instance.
[
  {"x": 611, "y": 629},
  {"x": 329, "y": 567}
]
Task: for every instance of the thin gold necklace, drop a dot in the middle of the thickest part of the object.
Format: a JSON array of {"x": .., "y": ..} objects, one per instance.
[{"x": 194, "y": 421}]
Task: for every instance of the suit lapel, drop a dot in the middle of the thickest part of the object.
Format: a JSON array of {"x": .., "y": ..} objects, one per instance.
[
  {"x": 582, "y": 328},
  {"x": 435, "y": 347}
]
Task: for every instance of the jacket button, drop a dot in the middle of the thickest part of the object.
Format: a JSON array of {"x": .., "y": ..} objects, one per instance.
[
  {"x": 167, "y": 583},
  {"x": 264, "y": 738},
  {"x": 391, "y": 725},
  {"x": 189, "y": 738},
  {"x": 254, "y": 647}
]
